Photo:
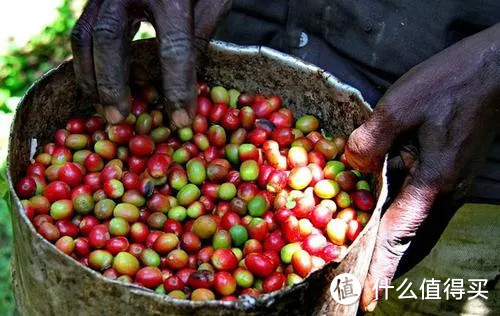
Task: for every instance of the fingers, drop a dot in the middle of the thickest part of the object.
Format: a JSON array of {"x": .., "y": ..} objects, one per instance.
[
  {"x": 110, "y": 48},
  {"x": 100, "y": 43},
  {"x": 207, "y": 15},
  {"x": 173, "y": 23},
  {"x": 368, "y": 144},
  {"x": 397, "y": 227},
  {"x": 81, "y": 45}
]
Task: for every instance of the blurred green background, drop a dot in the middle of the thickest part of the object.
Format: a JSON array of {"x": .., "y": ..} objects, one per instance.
[
  {"x": 26, "y": 52},
  {"x": 469, "y": 248}
]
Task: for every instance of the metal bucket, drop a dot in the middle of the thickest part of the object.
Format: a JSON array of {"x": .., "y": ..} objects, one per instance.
[{"x": 47, "y": 282}]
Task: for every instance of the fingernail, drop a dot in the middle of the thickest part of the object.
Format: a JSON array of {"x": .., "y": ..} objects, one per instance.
[
  {"x": 371, "y": 307},
  {"x": 112, "y": 115},
  {"x": 180, "y": 118}
]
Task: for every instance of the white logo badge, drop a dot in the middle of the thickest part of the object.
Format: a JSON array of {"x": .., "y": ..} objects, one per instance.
[{"x": 345, "y": 289}]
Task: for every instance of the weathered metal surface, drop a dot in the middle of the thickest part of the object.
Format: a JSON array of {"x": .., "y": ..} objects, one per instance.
[{"x": 46, "y": 282}]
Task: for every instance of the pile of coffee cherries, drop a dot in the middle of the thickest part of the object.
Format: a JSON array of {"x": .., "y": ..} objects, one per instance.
[{"x": 245, "y": 201}]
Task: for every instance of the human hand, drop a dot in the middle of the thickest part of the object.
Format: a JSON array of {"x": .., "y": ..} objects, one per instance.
[
  {"x": 100, "y": 47},
  {"x": 450, "y": 103}
]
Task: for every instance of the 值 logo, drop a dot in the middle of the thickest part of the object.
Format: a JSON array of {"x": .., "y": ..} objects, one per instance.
[{"x": 345, "y": 289}]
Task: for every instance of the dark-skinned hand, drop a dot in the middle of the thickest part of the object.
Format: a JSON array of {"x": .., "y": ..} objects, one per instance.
[
  {"x": 100, "y": 42},
  {"x": 450, "y": 105}
]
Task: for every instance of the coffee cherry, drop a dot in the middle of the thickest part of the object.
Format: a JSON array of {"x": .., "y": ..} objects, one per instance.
[
  {"x": 259, "y": 265},
  {"x": 100, "y": 259},
  {"x": 333, "y": 168},
  {"x": 204, "y": 226},
  {"x": 292, "y": 279},
  {"x": 249, "y": 170},
  {"x": 141, "y": 145},
  {"x": 353, "y": 229},
  {"x": 120, "y": 133},
  {"x": 217, "y": 135},
  {"x": 118, "y": 227},
  {"x": 307, "y": 123},
  {"x": 76, "y": 125},
  {"x": 26, "y": 187},
  {"x": 257, "y": 229},
  {"x": 113, "y": 188},
  {"x": 149, "y": 277},
  {"x": 116, "y": 245},
  {"x": 221, "y": 239},
  {"x": 105, "y": 148},
  {"x": 57, "y": 190},
  {"x": 239, "y": 235},
  {"x": 127, "y": 211},
  {"x": 245, "y": 116},
  {"x": 158, "y": 164},
  {"x": 257, "y": 206},
  {"x": 337, "y": 230},
  {"x": 288, "y": 251},
  {"x": 227, "y": 191},
  {"x": 244, "y": 99},
  {"x": 156, "y": 220},
  {"x": 300, "y": 177},
  {"x": 201, "y": 279},
  {"x": 94, "y": 123},
  {"x": 185, "y": 134},
  {"x": 224, "y": 260},
  {"x": 363, "y": 200},
  {"x": 243, "y": 277},
  {"x": 143, "y": 124},
  {"x": 363, "y": 218},
  {"x": 219, "y": 95},
  {"x": 62, "y": 209},
  {"x": 188, "y": 194},
  {"x": 274, "y": 282},
  {"x": 66, "y": 244},
  {"x": 224, "y": 283},
  {"x": 98, "y": 236},
  {"x": 326, "y": 189},
  {"x": 176, "y": 259},
  {"x": 202, "y": 295},
  {"x": 346, "y": 180},
  {"x": 327, "y": 148},
  {"x": 230, "y": 120},
  {"x": 301, "y": 262},
  {"x": 196, "y": 171},
  {"x": 83, "y": 203},
  {"x": 125, "y": 263}
]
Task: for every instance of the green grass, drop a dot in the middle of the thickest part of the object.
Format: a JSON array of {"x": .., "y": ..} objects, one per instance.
[
  {"x": 19, "y": 67},
  {"x": 22, "y": 65},
  {"x": 7, "y": 305}
]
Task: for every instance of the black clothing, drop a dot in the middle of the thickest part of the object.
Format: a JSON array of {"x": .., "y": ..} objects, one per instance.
[{"x": 368, "y": 44}]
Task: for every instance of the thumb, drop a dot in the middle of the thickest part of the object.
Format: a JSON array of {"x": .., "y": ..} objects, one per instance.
[
  {"x": 368, "y": 144},
  {"x": 397, "y": 228}
]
